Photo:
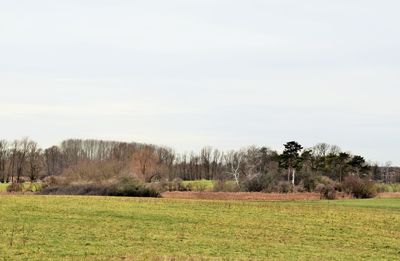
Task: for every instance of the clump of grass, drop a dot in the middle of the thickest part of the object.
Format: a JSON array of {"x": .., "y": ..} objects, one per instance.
[{"x": 390, "y": 187}]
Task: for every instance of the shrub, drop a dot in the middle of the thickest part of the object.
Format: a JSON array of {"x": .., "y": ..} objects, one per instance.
[
  {"x": 325, "y": 180},
  {"x": 359, "y": 188},
  {"x": 300, "y": 188},
  {"x": 284, "y": 187},
  {"x": 127, "y": 187},
  {"x": 160, "y": 186},
  {"x": 177, "y": 185},
  {"x": 255, "y": 184},
  {"x": 326, "y": 191},
  {"x": 393, "y": 187},
  {"x": 33, "y": 187},
  {"x": 319, "y": 187},
  {"x": 262, "y": 182},
  {"x": 309, "y": 181},
  {"x": 198, "y": 186},
  {"x": 15, "y": 187},
  {"x": 225, "y": 186}
]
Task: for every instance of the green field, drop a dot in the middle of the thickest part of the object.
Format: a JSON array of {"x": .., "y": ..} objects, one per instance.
[
  {"x": 3, "y": 187},
  {"x": 104, "y": 228},
  {"x": 27, "y": 186},
  {"x": 199, "y": 185}
]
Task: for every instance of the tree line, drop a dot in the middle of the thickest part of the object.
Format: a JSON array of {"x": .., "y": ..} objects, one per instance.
[{"x": 253, "y": 167}]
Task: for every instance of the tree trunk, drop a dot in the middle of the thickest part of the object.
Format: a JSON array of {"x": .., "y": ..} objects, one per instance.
[{"x": 294, "y": 172}]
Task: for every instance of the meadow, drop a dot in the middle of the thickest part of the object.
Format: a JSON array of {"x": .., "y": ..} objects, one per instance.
[{"x": 110, "y": 228}]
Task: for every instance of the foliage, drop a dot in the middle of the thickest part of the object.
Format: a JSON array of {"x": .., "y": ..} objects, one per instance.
[
  {"x": 392, "y": 187},
  {"x": 262, "y": 182},
  {"x": 359, "y": 188},
  {"x": 225, "y": 186},
  {"x": 129, "y": 187},
  {"x": 327, "y": 191},
  {"x": 57, "y": 228},
  {"x": 309, "y": 180},
  {"x": 126, "y": 186},
  {"x": 284, "y": 187},
  {"x": 290, "y": 158},
  {"x": 175, "y": 185},
  {"x": 98, "y": 162},
  {"x": 15, "y": 187},
  {"x": 198, "y": 185},
  {"x": 20, "y": 187}
]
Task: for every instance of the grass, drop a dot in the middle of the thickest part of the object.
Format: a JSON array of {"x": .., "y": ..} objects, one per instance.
[
  {"x": 28, "y": 186},
  {"x": 199, "y": 185},
  {"x": 3, "y": 187},
  {"x": 104, "y": 228},
  {"x": 208, "y": 185},
  {"x": 390, "y": 187}
]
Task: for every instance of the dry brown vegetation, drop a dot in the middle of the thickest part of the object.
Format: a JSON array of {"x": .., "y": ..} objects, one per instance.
[
  {"x": 389, "y": 195},
  {"x": 255, "y": 196},
  {"x": 245, "y": 196}
]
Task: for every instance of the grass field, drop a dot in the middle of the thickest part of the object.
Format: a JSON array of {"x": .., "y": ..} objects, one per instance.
[
  {"x": 104, "y": 228},
  {"x": 199, "y": 185},
  {"x": 3, "y": 187},
  {"x": 27, "y": 186}
]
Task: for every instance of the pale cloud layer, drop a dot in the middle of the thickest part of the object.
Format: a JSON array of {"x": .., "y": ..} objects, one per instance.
[{"x": 194, "y": 73}]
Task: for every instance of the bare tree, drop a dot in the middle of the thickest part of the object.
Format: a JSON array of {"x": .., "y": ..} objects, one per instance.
[
  {"x": 233, "y": 160},
  {"x": 205, "y": 158},
  {"x": 3, "y": 160},
  {"x": 144, "y": 163},
  {"x": 54, "y": 160},
  {"x": 35, "y": 160}
]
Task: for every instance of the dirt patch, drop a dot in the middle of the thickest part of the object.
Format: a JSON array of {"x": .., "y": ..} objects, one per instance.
[
  {"x": 262, "y": 196},
  {"x": 389, "y": 195},
  {"x": 242, "y": 196}
]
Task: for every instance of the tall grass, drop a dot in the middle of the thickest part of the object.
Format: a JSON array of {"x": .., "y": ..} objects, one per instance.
[{"x": 390, "y": 187}]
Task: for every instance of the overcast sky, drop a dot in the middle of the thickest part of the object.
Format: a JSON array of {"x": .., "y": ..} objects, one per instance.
[{"x": 193, "y": 73}]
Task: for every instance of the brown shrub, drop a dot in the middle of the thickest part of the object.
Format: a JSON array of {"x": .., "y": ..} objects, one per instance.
[
  {"x": 15, "y": 187},
  {"x": 359, "y": 188}
]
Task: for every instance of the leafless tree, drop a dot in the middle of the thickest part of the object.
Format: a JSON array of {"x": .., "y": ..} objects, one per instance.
[
  {"x": 233, "y": 160},
  {"x": 205, "y": 161},
  {"x": 144, "y": 163},
  {"x": 54, "y": 161},
  {"x": 3, "y": 160},
  {"x": 35, "y": 160}
]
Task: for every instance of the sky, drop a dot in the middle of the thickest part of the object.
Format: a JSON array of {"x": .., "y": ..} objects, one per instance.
[{"x": 188, "y": 74}]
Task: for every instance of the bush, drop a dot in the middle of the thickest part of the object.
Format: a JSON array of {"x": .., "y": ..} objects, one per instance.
[
  {"x": 225, "y": 186},
  {"x": 262, "y": 182},
  {"x": 33, "y": 187},
  {"x": 309, "y": 181},
  {"x": 359, "y": 188},
  {"x": 300, "y": 188},
  {"x": 319, "y": 187},
  {"x": 392, "y": 187},
  {"x": 177, "y": 185},
  {"x": 126, "y": 187},
  {"x": 326, "y": 191},
  {"x": 325, "y": 180},
  {"x": 284, "y": 187},
  {"x": 129, "y": 187},
  {"x": 15, "y": 187},
  {"x": 198, "y": 185}
]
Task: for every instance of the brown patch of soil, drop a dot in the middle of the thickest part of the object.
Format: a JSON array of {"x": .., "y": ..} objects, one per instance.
[
  {"x": 261, "y": 196},
  {"x": 242, "y": 196},
  {"x": 389, "y": 195}
]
